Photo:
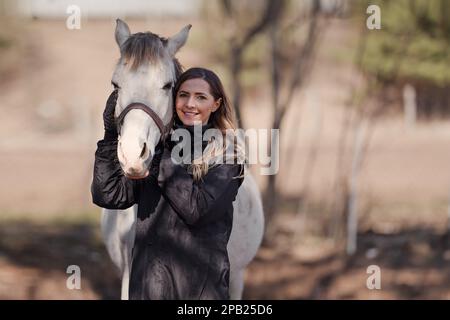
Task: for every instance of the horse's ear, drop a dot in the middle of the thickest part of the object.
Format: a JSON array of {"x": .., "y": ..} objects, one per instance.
[
  {"x": 122, "y": 32},
  {"x": 175, "y": 42}
]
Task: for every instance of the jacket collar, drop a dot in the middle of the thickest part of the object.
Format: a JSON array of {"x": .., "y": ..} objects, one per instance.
[{"x": 193, "y": 133}]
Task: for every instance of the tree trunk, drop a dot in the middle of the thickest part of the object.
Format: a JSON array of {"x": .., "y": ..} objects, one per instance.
[
  {"x": 236, "y": 64},
  {"x": 352, "y": 218},
  {"x": 409, "y": 105},
  {"x": 271, "y": 193}
]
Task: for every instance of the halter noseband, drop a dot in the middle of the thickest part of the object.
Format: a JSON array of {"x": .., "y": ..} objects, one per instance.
[{"x": 164, "y": 130}]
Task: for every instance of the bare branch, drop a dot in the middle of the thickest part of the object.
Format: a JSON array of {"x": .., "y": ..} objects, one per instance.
[
  {"x": 273, "y": 10},
  {"x": 226, "y": 5},
  {"x": 304, "y": 58}
]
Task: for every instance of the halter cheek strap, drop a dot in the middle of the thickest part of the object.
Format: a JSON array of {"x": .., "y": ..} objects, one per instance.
[{"x": 164, "y": 130}]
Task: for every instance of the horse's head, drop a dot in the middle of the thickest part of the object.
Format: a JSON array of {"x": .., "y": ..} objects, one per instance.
[{"x": 145, "y": 74}]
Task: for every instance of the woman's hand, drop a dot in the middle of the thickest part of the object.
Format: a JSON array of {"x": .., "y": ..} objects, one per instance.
[
  {"x": 109, "y": 121},
  {"x": 154, "y": 166}
]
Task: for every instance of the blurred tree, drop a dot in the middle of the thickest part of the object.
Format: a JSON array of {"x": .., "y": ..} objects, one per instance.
[
  {"x": 289, "y": 33},
  {"x": 411, "y": 50},
  {"x": 292, "y": 50},
  {"x": 12, "y": 41},
  {"x": 425, "y": 63},
  {"x": 242, "y": 21},
  {"x": 366, "y": 103}
]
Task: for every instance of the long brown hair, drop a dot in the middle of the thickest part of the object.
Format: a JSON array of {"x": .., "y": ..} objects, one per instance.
[{"x": 222, "y": 119}]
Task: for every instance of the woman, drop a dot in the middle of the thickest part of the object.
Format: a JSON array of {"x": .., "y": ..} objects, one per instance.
[{"x": 185, "y": 212}]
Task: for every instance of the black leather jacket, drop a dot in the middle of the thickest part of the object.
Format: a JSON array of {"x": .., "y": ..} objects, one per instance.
[{"x": 182, "y": 229}]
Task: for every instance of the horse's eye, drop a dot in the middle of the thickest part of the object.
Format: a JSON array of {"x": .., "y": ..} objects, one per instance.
[
  {"x": 167, "y": 86},
  {"x": 115, "y": 85}
]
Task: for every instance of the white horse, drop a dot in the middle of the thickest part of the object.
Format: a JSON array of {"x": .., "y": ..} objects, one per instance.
[{"x": 149, "y": 81}]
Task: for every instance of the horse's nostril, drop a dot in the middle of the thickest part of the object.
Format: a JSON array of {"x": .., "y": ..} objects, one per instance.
[{"x": 144, "y": 149}]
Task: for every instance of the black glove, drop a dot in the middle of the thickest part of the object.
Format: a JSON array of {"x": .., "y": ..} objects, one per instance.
[
  {"x": 154, "y": 166},
  {"x": 109, "y": 121}
]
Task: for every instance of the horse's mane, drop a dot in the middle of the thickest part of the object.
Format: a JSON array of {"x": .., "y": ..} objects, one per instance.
[{"x": 145, "y": 47}]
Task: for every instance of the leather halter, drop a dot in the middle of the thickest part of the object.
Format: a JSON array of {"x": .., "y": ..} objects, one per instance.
[{"x": 163, "y": 129}]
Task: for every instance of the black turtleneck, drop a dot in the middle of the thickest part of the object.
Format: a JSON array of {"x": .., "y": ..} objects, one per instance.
[{"x": 195, "y": 135}]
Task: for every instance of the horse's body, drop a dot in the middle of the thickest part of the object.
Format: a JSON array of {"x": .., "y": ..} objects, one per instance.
[{"x": 118, "y": 226}]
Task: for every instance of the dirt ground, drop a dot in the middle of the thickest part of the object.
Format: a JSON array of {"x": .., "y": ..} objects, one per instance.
[
  {"x": 52, "y": 100},
  {"x": 414, "y": 264}
]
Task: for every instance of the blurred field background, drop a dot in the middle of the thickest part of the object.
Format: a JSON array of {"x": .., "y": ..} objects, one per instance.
[{"x": 364, "y": 141}]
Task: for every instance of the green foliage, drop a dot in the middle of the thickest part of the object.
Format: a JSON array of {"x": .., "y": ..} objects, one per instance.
[
  {"x": 413, "y": 43},
  {"x": 4, "y": 43}
]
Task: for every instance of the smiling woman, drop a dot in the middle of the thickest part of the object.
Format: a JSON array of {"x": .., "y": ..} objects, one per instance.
[
  {"x": 185, "y": 214},
  {"x": 194, "y": 102},
  {"x": 200, "y": 96},
  {"x": 167, "y": 225}
]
